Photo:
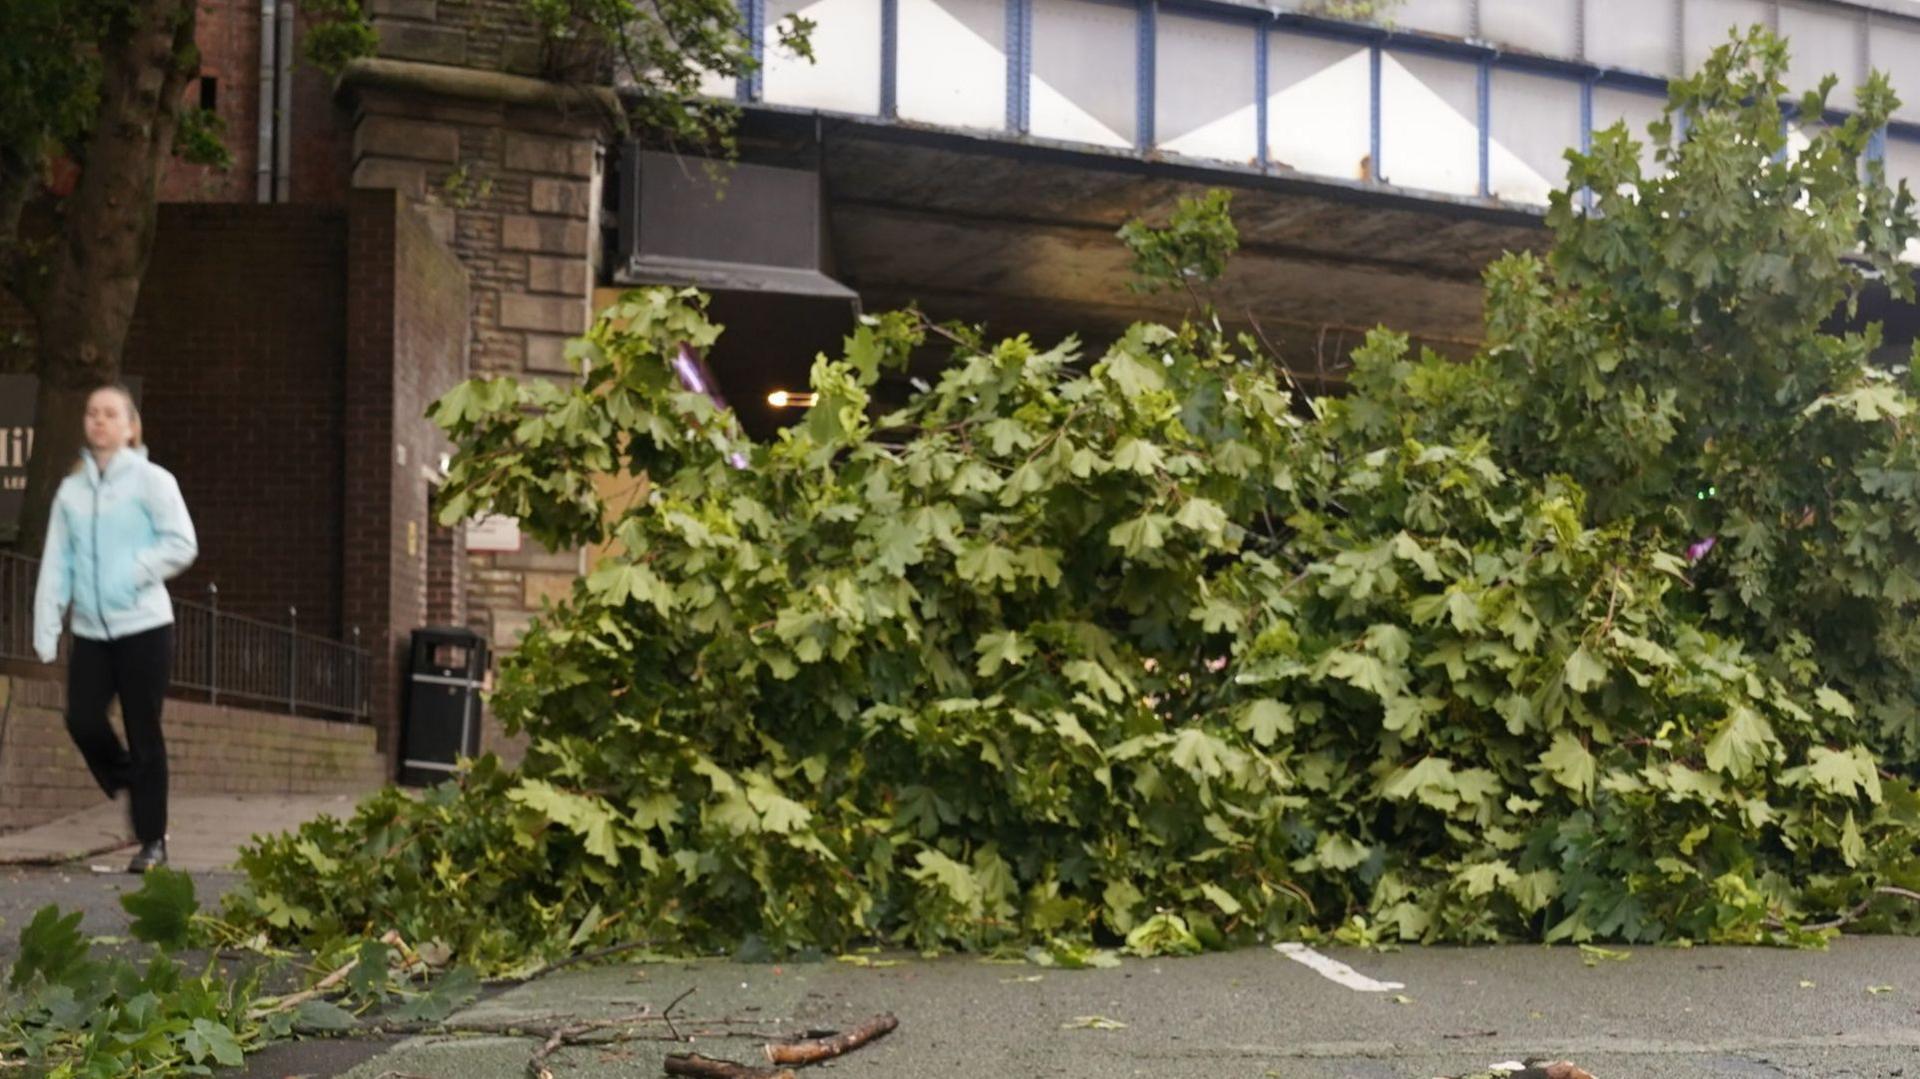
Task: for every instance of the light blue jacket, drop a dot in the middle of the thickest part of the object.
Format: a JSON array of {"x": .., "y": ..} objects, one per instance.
[{"x": 113, "y": 541}]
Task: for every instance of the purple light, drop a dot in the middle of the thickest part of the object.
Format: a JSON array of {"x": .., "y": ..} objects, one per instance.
[
  {"x": 1699, "y": 550},
  {"x": 687, "y": 366}
]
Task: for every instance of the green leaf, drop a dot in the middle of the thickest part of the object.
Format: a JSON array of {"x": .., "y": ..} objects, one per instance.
[
  {"x": 453, "y": 991},
  {"x": 1265, "y": 719},
  {"x": 322, "y": 1017},
  {"x": 1004, "y": 648},
  {"x": 1570, "y": 764},
  {"x": 1584, "y": 670},
  {"x": 1147, "y": 532},
  {"x": 210, "y": 1039},
  {"x": 1743, "y": 742},
  {"x": 1202, "y": 515},
  {"x": 1485, "y": 878},
  {"x": 1138, "y": 456},
  {"x": 162, "y": 908},
  {"x": 52, "y": 946}
]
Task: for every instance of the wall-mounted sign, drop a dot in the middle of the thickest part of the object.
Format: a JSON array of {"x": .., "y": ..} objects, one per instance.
[
  {"x": 493, "y": 534},
  {"x": 16, "y": 443}
]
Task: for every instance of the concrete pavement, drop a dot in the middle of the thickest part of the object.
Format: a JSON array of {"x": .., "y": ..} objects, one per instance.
[{"x": 205, "y": 832}]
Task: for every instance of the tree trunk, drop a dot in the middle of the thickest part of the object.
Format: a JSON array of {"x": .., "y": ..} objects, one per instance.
[{"x": 84, "y": 306}]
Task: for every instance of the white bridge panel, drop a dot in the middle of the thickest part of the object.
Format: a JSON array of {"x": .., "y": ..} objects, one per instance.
[
  {"x": 1205, "y": 96},
  {"x": 1085, "y": 59},
  {"x": 953, "y": 62},
  {"x": 845, "y": 76},
  {"x": 1317, "y": 106}
]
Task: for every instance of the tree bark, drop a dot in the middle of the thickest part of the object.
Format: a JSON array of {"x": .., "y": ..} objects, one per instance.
[
  {"x": 698, "y": 1067},
  {"x": 815, "y": 1050},
  {"x": 84, "y": 305}
]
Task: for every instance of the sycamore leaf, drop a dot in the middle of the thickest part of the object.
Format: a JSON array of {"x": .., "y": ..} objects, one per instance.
[
  {"x": 1202, "y": 515},
  {"x": 1265, "y": 719},
  {"x": 1853, "y": 848},
  {"x": 1005, "y": 648},
  {"x": 1569, "y": 763},
  {"x": 1147, "y": 532},
  {"x": 1744, "y": 740},
  {"x": 1584, "y": 670},
  {"x": 162, "y": 908},
  {"x": 1138, "y": 455},
  {"x": 986, "y": 563},
  {"x": 1484, "y": 878},
  {"x": 1847, "y": 774},
  {"x": 1133, "y": 377},
  {"x": 589, "y": 818}
]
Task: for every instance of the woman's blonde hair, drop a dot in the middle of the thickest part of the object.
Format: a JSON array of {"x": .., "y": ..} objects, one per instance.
[{"x": 133, "y": 413}]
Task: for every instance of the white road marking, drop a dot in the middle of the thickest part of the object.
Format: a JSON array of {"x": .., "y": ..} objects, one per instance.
[{"x": 1335, "y": 970}]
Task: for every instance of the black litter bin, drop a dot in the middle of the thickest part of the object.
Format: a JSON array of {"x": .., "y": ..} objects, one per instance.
[{"x": 445, "y": 670}]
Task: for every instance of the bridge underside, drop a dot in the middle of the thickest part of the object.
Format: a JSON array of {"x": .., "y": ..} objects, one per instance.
[{"x": 1020, "y": 237}]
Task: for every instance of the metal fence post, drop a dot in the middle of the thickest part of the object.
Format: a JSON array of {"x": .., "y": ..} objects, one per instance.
[
  {"x": 293, "y": 660},
  {"x": 359, "y": 700},
  {"x": 213, "y": 643}
]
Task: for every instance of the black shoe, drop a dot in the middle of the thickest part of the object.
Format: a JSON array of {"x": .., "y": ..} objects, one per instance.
[{"x": 151, "y": 855}]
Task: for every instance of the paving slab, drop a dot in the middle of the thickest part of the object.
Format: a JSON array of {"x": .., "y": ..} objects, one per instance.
[{"x": 205, "y": 831}]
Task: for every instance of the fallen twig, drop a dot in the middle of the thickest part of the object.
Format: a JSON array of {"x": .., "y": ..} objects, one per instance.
[
  {"x": 569, "y": 1035},
  {"x": 815, "y": 1050},
  {"x": 584, "y": 957},
  {"x": 667, "y": 1014},
  {"x": 323, "y": 986},
  {"x": 699, "y": 1067},
  {"x": 1853, "y": 915}
]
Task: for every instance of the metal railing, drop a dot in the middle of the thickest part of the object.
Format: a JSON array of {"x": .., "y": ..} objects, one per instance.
[{"x": 223, "y": 656}]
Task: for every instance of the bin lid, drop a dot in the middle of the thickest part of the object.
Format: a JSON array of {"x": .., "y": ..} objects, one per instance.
[{"x": 449, "y": 635}]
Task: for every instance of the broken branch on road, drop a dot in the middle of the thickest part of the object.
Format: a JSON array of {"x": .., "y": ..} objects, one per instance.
[
  {"x": 815, "y": 1050},
  {"x": 699, "y": 1067}
]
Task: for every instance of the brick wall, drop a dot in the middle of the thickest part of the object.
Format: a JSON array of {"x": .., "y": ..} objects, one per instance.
[
  {"x": 407, "y": 344},
  {"x": 239, "y": 341},
  {"x": 210, "y": 750},
  {"x": 228, "y": 36}
]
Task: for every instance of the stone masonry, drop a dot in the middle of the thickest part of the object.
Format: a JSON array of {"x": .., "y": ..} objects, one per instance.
[{"x": 507, "y": 170}]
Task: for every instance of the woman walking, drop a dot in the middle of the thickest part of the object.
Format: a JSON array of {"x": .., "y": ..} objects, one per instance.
[{"x": 118, "y": 531}]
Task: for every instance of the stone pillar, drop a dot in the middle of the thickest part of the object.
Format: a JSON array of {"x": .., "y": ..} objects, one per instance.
[{"x": 507, "y": 170}]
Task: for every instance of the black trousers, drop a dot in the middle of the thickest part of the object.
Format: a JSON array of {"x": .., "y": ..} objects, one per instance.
[{"x": 135, "y": 670}]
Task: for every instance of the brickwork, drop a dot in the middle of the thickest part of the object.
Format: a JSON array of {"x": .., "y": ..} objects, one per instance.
[
  {"x": 210, "y": 750},
  {"x": 228, "y": 36},
  {"x": 407, "y": 343},
  {"x": 239, "y": 342}
]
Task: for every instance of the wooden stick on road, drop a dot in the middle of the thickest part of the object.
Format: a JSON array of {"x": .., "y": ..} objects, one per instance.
[
  {"x": 815, "y": 1050},
  {"x": 696, "y": 1066}
]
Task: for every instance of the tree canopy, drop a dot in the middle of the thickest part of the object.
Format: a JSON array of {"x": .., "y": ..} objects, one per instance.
[{"x": 1604, "y": 634}]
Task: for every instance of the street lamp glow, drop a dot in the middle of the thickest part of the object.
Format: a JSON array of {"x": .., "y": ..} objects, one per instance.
[{"x": 789, "y": 399}]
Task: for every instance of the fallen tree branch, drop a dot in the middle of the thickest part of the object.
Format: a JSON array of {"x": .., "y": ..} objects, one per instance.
[
  {"x": 570, "y": 1035},
  {"x": 667, "y": 1014},
  {"x": 699, "y": 1067},
  {"x": 584, "y": 957},
  {"x": 325, "y": 985},
  {"x": 1853, "y": 915},
  {"x": 815, "y": 1050}
]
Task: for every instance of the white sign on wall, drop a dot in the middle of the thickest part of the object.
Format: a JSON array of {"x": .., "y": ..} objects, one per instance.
[{"x": 496, "y": 533}]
